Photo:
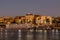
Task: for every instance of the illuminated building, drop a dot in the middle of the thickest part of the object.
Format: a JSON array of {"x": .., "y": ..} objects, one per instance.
[{"x": 1, "y": 19}]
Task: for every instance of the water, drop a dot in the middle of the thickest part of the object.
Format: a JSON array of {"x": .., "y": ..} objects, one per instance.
[{"x": 15, "y": 34}]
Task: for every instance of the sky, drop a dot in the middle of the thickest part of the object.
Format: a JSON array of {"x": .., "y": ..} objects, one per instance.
[{"x": 22, "y": 7}]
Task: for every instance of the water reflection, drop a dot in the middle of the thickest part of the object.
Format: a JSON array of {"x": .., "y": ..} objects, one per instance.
[
  {"x": 11, "y": 34},
  {"x": 2, "y": 35},
  {"x": 19, "y": 34},
  {"x": 49, "y": 35},
  {"x": 23, "y": 34},
  {"x": 14, "y": 34}
]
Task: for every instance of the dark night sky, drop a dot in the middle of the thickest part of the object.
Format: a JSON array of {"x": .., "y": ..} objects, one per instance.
[{"x": 21, "y": 7}]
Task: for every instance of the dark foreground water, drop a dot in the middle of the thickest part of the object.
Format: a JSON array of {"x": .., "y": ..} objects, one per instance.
[{"x": 29, "y": 35}]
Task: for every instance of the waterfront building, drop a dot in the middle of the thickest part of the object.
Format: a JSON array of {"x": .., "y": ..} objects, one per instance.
[
  {"x": 49, "y": 20},
  {"x": 17, "y": 19},
  {"x": 29, "y": 19},
  {"x": 43, "y": 20},
  {"x": 58, "y": 21},
  {"x": 22, "y": 19},
  {"x": 37, "y": 20},
  {"x": 1, "y": 19},
  {"x": 8, "y": 20}
]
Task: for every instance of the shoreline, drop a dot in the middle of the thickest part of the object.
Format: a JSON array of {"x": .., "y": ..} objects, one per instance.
[{"x": 24, "y": 26}]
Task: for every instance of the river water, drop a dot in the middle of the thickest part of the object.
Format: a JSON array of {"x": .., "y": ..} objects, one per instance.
[{"x": 17, "y": 34}]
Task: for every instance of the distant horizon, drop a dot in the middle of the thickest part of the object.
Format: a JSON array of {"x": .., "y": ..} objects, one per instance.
[{"x": 27, "y": 13}]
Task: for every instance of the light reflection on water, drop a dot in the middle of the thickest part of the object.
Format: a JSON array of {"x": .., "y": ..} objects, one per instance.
[{"x": 29, "y": 35}]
